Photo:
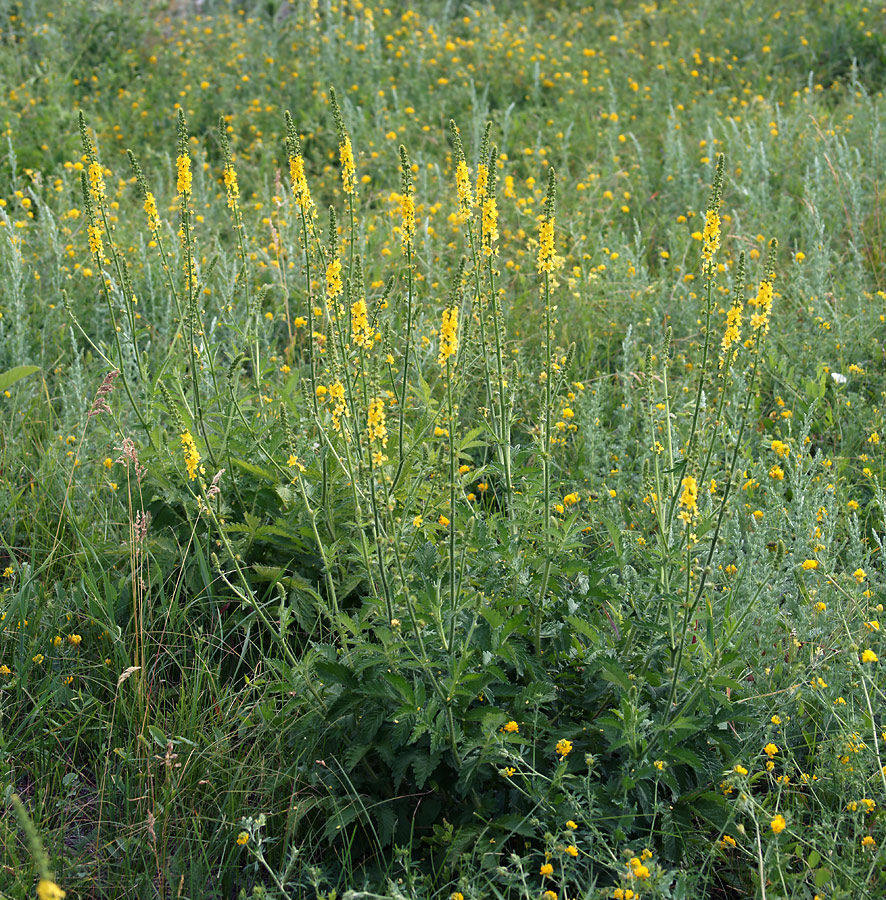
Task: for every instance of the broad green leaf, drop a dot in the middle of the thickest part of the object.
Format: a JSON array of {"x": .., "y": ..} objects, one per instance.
[{"x": 10, "y": 377}]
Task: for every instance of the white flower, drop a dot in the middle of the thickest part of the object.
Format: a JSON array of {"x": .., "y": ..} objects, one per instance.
[{"x": 838, "y": 378}]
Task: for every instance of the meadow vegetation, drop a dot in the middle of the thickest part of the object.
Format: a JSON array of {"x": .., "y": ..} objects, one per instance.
[{"x": 440, "y": 450}]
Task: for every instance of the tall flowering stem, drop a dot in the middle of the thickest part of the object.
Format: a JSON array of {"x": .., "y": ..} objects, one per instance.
[
  {"x": 407, "y": 244},
  {"x": 729, "y": 345},
  {"x": 690, "y": 608},
  {"x": 101, "y": 240},
  {"x": 710, "y": 245},
  {"x": 97, "y": 257},
  {"x": 183, "y": 185},
  {"x": 307, "y": 213},
  {"x": 149, "y": 203},
  {"x": 232, "y": 191},
  {"x": 545, "y": 267},
  {"x": 489, "y": 242},
  {"x": 447, "y": 359}
]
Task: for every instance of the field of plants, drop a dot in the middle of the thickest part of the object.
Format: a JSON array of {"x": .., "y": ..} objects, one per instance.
[{"x": 440, "y": 450}]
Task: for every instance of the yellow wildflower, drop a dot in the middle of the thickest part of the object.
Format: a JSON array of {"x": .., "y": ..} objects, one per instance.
[
  {"x": 688, "y": 499},
  {"x": 448, "y": 336},
  {"x": 151, "y": 212},
  {"x": 192, "y": 455},
  {"x": 183, "y": 179},
  {"x": 361, "y": 332},
  {"x": 377, "y": 429},
  {"x": 232, "y": 188},
  {"x": 711, "y": 237},
  {"x": 348, "y": 171},
  {"x": 94, "y": 234},
  {"x": 49, "y": 890}
]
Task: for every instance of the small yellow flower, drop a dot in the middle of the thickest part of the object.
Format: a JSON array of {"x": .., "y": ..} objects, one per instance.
[
  {"x": 546, "y": 870},
  {"x": 810, "y": 564},
  {"x": 868, "y": 841},
  {"x": 49, "y": 890},
  {"x": 564, "y": 747},
  {"x": 869, "y": 656},
  {"x": 243, "y": 838},
  {"x": 860, "y": 575},
  {"x": 770, "y": 750},
  {"x": 511, "y": 727},
  {"x": 572, "y": 850},
  {"x": 778, "y": 824},
  {"x": 571, "y": 824}
]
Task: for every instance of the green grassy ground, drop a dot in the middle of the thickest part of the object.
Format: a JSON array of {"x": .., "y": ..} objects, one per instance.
[{"x": 392, "y": 508}]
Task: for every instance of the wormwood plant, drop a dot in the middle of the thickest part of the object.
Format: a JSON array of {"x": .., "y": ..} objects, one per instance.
[{"x": 450, "y": 655}]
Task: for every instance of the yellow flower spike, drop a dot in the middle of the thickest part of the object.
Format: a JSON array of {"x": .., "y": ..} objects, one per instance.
[
  {"x": 191, "y": 454},
  {"x": 183, "y": 174},
  {"x": 376, "y": 427},
  {"x": 334, "y": 286},
  {"x": 150, "y": 207},
  {"x": 94, "y": 235},
  {"x": 448, "y": 337},
  {"x": 361, "y": 332},
  {"x": 232, "y": 188},
  {"x": 298, "y": 181},
  {"x": 688, "y": 499},
  {"x": 345, "y": 150},
  {"x": 407, "y": 203},
  {"x": 462, "y": 175}
]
